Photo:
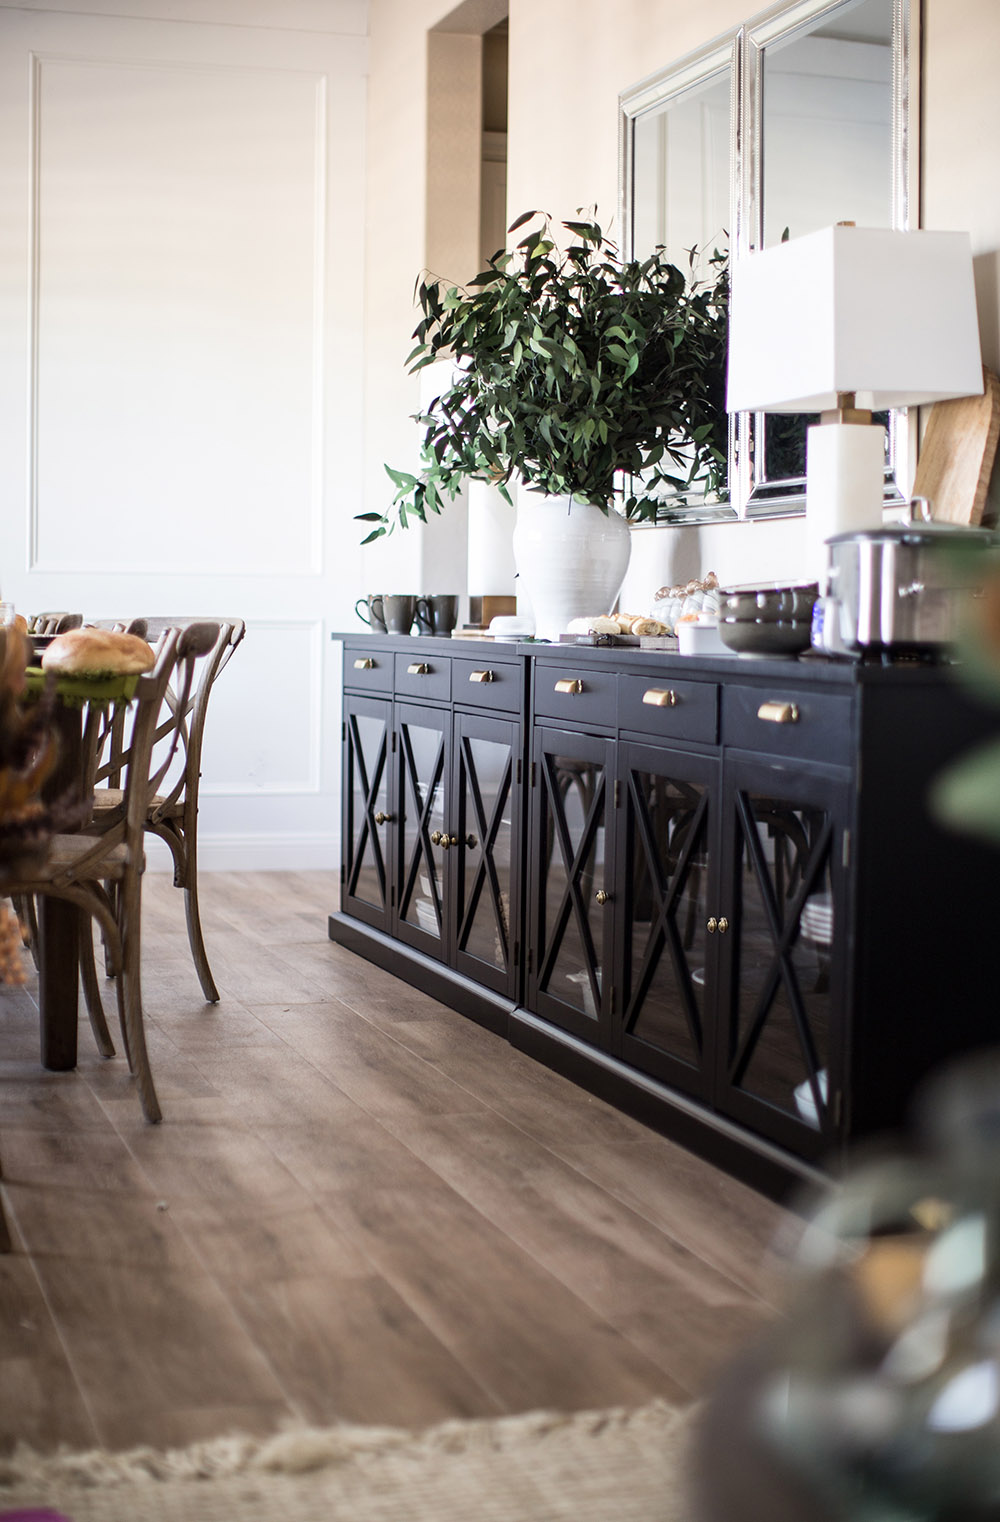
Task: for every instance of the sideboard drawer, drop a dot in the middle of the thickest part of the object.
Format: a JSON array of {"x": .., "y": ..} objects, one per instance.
[
  {"x": 423, "y": 676},
  {"x": 661, "y": 706},
  {"x": 574, "y": 694},
  {"x": 368, "y": 669},
  {"x": 486, "y": 684},
  {"x": 815, "y": 726}
]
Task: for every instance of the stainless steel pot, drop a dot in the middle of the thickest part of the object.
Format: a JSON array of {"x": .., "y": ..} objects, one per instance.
[{"x": 905, "y": 586}]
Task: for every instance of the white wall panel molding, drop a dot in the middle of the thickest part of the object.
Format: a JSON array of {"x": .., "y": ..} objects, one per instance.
[
  {"x": 263, "y": 735},
  {"x": 177, "y": 269},
  {"x": 327, "y": 17}
]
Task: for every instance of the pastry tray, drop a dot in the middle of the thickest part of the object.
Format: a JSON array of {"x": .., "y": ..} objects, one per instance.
[{"x": 622, "y": 641}]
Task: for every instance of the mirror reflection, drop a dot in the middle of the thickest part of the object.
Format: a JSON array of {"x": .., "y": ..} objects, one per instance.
[
  {"x": 826, "y": 156},
  {"x": 681, "y": 186},
  {"x": 818, "y": 131}
]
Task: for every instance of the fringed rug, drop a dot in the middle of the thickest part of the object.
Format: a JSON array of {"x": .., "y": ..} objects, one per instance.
[{"x": 599, "y": 1466}]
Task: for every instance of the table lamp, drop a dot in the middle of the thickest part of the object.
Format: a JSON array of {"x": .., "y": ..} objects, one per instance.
[{"x": 844, "y": 322}]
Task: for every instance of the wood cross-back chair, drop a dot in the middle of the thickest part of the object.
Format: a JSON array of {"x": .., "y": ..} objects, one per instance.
[
  {"x": 173, "y": 815},
  {"x": 53, "y": 623},
  {"x": 80, "y": 867}
]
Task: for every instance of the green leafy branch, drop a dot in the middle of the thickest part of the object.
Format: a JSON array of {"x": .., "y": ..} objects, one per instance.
[{"x": 571, "y": 367}]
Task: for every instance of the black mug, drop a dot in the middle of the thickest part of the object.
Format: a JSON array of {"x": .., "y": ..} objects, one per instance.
[
  {"x": 441, "y": 612},
  {"x": 398, "y": 609},
  {"x": 369, "y": 610}
]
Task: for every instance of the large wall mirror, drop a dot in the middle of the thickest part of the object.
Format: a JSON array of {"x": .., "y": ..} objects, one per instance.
[{"x": 804, "y": 116}]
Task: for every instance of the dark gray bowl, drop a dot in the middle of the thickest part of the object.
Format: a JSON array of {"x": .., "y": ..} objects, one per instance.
[
  {"x": 770, "y": 603},
  {"x": 766, "y": 636}
]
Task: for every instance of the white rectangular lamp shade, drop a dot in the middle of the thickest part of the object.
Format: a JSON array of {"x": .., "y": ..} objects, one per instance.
[{"x": 887, "y": 315}]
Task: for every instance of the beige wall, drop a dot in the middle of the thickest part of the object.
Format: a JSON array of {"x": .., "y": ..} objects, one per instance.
[{"x": 568, "y": 61}]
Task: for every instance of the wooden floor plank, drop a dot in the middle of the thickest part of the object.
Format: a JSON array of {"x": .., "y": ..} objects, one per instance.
[
  {"x": 359, "y": 1206},
  {"x": 41, "y": 1403},
  {"x": 514, "y": 1326}
]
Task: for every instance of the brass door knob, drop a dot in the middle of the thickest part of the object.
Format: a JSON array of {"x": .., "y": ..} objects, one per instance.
[
  {"x": 713, "y": 925},
  {"x": 436, "y": 838},
  {"x": 601, "y": 896},
  {"x": 723, "y": 926},
  {"x": 453, "y": 841},
  {"x": 381, "y": 818},
  {"x": 471, "y": 842}
]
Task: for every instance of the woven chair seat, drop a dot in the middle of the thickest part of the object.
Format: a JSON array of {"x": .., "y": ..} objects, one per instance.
[
  {"x": 108, "y": 798},
  {"x": 70, "y": 850}
]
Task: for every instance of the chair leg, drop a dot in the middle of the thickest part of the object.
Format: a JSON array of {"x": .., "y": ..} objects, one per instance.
[
  {"x": 92, "y": 994},
  {"x": 5, "y": 1242},
  {"x": 132, "y": 992},
  {"x": 195, "y": 937},
  {"x": 24, "y": 908}
]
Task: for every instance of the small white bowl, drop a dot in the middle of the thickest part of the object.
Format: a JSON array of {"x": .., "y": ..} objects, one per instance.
[{"x": 700, "y": 639}]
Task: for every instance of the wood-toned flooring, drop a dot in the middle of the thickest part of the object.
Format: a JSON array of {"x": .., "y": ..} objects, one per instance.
[{"x": 360, "y": 1206}]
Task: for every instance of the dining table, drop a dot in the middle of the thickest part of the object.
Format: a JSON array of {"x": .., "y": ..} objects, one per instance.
[{"x": 59, "y": 922}]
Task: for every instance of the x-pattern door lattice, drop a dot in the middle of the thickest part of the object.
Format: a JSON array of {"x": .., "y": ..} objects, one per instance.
[
  {"x": 578, "y": 865},
  {"x": 668, "y": 889},
  {"x": 783, "y": 929},
  {"x": 487, "y": 825},
  {"x": 420, "y": 791},
  {"x": 367, "y": 845}
]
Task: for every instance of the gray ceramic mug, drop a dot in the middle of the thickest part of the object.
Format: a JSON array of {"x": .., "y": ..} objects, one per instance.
[
  {"x": 369, "y": 610},
  {"x": 398, "y": 609},
  {"x": 442, "y": 609}
]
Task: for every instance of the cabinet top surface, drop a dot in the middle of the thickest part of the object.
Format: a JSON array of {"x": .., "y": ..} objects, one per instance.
[{"x": 808, "y": 669}]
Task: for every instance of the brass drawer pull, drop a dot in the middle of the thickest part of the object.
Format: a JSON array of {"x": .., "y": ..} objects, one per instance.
[
  {"x": 712, "y": 925},
  {"x": 420, "y": 669},
  {"x": 778, "y": 713},
  {"x": 723, "y": 925},
  {"x": 482, "y": 676},
  {"x": 366, "y": 664},
  {"x": 660, "y": 697},
  {"x": 569, "y": 684}
]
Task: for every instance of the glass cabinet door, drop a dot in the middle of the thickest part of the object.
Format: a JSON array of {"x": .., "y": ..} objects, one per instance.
[
  {"x": 487, "y": 800},
  {"x": 367, "y": 810},
  {"x": 780, "y": 1069},
  {"x": 570, "y": 935},
  {"x": 423, "y": 743},
  {"x": 667, "y": 892}
]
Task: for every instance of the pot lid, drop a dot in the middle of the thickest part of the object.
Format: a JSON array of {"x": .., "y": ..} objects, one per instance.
[{"x": 921, "y": 529}]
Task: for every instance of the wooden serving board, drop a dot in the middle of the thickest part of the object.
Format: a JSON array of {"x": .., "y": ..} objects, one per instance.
[{"x": 957, "y": 454}]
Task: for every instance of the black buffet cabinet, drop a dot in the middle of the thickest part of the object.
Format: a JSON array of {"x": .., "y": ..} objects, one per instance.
[{"x": 710, "y": 890}]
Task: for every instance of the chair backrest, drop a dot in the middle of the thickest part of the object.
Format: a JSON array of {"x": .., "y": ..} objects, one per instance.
[
  {"x": 53, "y": 623},
  {"x": 185, "y": 710},
  {"x": 167, "y": 689},
  {"x": 119, "y": 625},
  {"x": 177, "y": 653},
  {"x": 194, "y": 709},
  {"x": 176, "y": 657}
]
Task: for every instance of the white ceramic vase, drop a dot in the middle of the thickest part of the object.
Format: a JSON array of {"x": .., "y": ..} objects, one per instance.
[{"x": 571, "y": 559}]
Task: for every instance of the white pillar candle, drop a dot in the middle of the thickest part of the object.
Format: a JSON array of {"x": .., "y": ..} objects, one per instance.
[{"x": 844, "y": 482}]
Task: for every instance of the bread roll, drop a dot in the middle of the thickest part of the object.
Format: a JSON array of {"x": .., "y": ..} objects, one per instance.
[
  {"x": 605, "y": 623},
  {"x": 648, "y": 626},
  {"x": 97, "y": 652}
]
